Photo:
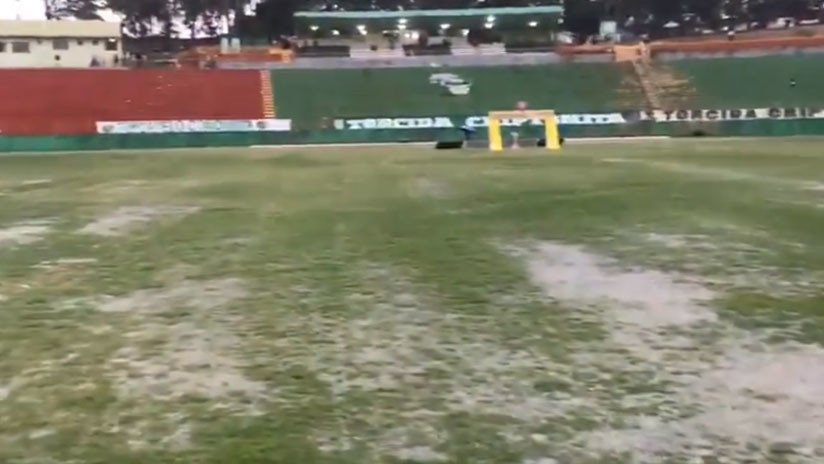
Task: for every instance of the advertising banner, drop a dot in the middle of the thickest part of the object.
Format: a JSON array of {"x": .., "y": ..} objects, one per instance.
[
  {"x": 187, "y": 126},
  {"x": 446, "y": 122},
  {"x": 583, "y": 119},
  {"x": 734, "y": 114}
]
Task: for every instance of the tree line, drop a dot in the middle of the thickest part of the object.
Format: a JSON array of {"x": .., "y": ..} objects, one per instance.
[{"x": 273, "y": 18}]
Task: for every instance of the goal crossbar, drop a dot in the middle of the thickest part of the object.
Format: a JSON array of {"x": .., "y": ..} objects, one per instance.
[{"x": 551, "y": 134}]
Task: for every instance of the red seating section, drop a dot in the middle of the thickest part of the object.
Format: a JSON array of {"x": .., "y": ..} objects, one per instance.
[{"x": 53, "y": 102}]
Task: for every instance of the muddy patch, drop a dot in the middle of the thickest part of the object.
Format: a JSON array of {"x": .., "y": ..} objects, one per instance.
[
  {"x": 719, "y": 391},
  {"x": 127, "y": 219},
  {"x": 24, "y": 233}
]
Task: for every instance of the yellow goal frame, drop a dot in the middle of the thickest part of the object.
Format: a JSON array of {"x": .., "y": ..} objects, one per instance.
[{"x": 553, "y": 138}]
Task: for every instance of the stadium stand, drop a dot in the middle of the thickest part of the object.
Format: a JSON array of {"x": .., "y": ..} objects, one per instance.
[
  {"x": 308, "y": 96},
  {"x": 65, "y": 102},
  {"x": 56, "y": 102},
  {"x": 755, "y": 82}
]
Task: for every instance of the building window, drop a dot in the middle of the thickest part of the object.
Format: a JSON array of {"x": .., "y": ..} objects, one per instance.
[
  {"x": 2, "y": 47},
  {"x": 60, "y": 44},
  {"x": 95, "y": 42},
  {"x": 20, "y": 47},
  {"x": 79, "y": 42},
  {"x": 111, "y": 45}
]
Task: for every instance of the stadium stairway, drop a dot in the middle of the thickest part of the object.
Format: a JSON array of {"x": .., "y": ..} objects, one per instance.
[
  {"x": 56, "y": 102},
  {"x": 663, "y": 87},
  {"x": 267, "y": 95},
  {"x": 642, "y": 71}
]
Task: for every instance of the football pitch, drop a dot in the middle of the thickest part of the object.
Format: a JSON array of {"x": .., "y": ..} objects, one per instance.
[{"x": 656, "y": 302}]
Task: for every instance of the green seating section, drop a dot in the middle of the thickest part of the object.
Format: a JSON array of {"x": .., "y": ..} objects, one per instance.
[
  {"x": 308, "y": 96},
  {"x": 756, "y": 82}
]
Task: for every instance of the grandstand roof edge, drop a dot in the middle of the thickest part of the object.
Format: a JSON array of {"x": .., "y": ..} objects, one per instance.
[{"x": 551, "y": 9}]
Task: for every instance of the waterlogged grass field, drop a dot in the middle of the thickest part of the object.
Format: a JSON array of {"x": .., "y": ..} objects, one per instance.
[{"x": 626, "y": 303}]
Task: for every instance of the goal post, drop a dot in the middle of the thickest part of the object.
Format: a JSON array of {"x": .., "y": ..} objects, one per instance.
[{"x": 551, "y": 134}]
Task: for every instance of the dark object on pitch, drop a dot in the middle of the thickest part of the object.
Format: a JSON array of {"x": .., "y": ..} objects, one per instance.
[
  {"x": 542, "y": 142},
  {"x": 449, "y": 144}
]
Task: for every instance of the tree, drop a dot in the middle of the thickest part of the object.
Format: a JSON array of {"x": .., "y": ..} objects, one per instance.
[
  {"x": 85, "y": 9},
  {"x": 139, "y": 15},
  {"x": 54, "y": 8},
  {"x": 708, "y": 12},
  {"x": 79, "y": 9},
  {"x": 204, "y": 13},
  {"x": 276, "y": 16},
  {"x": 583, "y": 17}
]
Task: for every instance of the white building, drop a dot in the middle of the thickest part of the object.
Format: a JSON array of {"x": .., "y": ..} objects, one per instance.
[{"x": 56, "y": 44}]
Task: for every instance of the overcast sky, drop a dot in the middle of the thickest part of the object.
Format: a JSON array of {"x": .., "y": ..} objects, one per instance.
[
  {"x": 34, "y": 9},
  {"x": 22, "y": 9}
]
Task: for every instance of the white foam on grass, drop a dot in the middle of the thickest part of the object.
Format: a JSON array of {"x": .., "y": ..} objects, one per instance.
[
  {"x": 425, "y": 187},
  {"x": 64, "y": 262},
  {"x": 202, "y": 295},
  {"x": 165, "y": 361},
  {"x": 126, "y": 219},
  {"x": 191, "y": 361},
  {"x": 24, "y": 233},
  {"x": 35, "y": 182},
  {"x": 725, "y": 391},
  {"x": 422, "y": 454},
  {"x": 399, "y": 346}
]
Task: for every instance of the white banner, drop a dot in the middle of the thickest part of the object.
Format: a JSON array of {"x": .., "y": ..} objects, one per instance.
[
  {"x": 194, "y": 125},
  {"x": 736, "y": 114}
]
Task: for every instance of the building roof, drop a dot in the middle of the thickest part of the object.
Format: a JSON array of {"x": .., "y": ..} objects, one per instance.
[
  {"x": 437, "y": 13},
  {"x": 48, "y": 29}
]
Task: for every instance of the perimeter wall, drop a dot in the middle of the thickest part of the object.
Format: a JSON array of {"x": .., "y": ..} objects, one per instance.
[{"x": 759, "y": 128}]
